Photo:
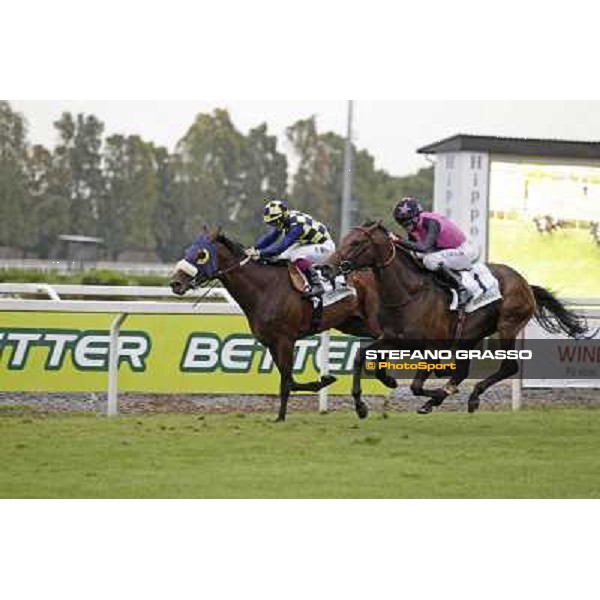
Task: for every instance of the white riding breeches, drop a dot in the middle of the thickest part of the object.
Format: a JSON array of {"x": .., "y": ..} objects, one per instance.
[
  {"x": 316, "y": 253},
  {"x": 456, "y": 259}
]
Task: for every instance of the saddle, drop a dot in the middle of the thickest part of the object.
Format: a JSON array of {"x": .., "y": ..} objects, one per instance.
[
  {"x": 335, "y": 286},
  {"x": 479, "y": 280},
  {"x": 301, "y": 285},
  {"x": 297, "y": 278}
]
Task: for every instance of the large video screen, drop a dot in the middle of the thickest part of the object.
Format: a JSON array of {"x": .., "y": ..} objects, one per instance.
[{"x": 545, "y": 223}]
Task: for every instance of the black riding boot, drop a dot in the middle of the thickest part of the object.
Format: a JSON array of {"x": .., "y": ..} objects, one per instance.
[
  {"x": 464, "y": 295},
  {"x": 316, "y": 288}
]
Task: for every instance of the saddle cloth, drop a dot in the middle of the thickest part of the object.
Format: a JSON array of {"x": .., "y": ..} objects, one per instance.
[
  {"x": 482, "y": 284},
  {"x": 334, "y": 292}
]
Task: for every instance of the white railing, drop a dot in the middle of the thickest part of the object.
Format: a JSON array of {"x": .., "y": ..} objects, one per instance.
[
  {"x": 74, "y": 266},
  {"x": 60, "y": 291},
  {"x": 122, "y": 309},
  {"x": 186, "y": 305}
]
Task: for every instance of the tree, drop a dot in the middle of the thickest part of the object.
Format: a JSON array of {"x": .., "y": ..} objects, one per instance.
[
  {"x": 419, "y": 185},
  {"x": 210, "y": 161},
  {"x": 317, "y": 183},
  {"x": 223, "y": 177},
  {"x": 170, "y": 219},
  {"x": 78, "y": 168},
  {"x": 13, "y": 177},
  {"x": 377, "y": 191},
  {"x": 264, "y": 177},
  {"x": 132, "y": 183},
  {"x": 48, "y": 216},
  {"x": 141, "y": 197}
]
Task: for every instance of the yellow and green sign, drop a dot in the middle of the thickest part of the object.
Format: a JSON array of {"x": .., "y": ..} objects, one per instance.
[{"x": 68, "y": 352}]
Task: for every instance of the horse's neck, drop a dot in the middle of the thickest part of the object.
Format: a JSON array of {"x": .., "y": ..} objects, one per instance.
[
  {"x": 247, "y": 284},
  {"x": 400, "y": 280}
]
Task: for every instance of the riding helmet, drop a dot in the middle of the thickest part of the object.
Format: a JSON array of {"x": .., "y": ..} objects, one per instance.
[
  {"x": 274, "y": 211},
  {"x": 407, "y": 210}
]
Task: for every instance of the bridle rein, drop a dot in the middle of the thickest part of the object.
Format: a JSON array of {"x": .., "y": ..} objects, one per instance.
[{"x": 200, "y": 278}]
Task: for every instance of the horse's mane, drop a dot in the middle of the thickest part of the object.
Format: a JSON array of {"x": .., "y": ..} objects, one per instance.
[
  {"x": 234, "y": 247},
  {"x": 238, "y": 250},
  {"x": 412, "y": 261},
  {"x": 373, "y": 222}
]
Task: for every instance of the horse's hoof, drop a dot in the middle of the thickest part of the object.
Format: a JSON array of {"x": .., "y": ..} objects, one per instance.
[
  {"x": 362, "y": 410},
  {"x": 279, "y": 420},
  {"x": 425, "y": 409},
  {"x": 328, "y": 380},
  {"x": 473, "y": 404}
]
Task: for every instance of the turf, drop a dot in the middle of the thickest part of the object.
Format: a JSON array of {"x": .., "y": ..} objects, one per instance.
[
  {"x": 566, "y": 261},
  {"x": 546, "y": 454}
]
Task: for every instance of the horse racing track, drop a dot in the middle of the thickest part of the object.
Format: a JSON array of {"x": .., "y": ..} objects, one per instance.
[{"x": 534, "y": 453}]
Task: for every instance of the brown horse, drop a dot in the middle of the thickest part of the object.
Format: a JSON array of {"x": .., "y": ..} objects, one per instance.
[
  {"x": 278, "y": 315},
  {"x": 414, "y": 310}
]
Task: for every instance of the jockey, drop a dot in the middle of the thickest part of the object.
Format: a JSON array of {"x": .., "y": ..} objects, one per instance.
[
  {"x": 445, "y": 246},
  {"x": 297, "y": 237}
]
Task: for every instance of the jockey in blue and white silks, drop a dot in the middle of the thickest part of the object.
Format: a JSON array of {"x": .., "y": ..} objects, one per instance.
[{"x": 297, "y": 237}]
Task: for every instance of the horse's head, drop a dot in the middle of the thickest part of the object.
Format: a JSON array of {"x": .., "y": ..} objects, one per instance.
[
  {"x": 367, "y": 246},
  {"x": 198, "y": 265}
]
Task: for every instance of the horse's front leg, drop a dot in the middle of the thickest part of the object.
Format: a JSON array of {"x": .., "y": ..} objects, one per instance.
[
  {"x": 362, "y": 410},
  {"x": 283, "y": 356},
  {"x": 417, "y": 388},
  {"x": 438, "y": 396},
  {"x": 508, "y": 368}
]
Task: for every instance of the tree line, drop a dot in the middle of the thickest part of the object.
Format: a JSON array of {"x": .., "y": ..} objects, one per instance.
[{"x": 140, "y": 197}]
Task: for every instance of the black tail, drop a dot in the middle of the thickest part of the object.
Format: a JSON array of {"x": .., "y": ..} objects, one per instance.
[{"x": 548, "y": 305}]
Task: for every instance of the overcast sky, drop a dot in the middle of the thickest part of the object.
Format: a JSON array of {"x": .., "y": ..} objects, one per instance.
[{"x": 390, "y": 130}]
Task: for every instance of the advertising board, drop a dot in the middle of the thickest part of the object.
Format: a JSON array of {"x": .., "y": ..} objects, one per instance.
[{"x": 68, "y": 352}]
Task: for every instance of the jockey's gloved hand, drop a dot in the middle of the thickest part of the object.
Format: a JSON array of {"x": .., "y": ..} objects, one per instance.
[{"x": 252, "y": 253}]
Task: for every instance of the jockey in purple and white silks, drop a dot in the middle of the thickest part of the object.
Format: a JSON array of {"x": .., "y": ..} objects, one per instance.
[
  {"x": 297, "y": 237},
  {"x": 445, "y": 246}
]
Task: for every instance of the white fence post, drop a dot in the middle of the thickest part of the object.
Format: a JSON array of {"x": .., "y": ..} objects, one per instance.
[
  {"x": 323, "y": 393},
  {"x": 517, "y": 382},
  {"x": 112, "y": 404}
]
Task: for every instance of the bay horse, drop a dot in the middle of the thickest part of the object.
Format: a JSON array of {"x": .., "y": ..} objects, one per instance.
[
  {"x": 414, "y": 307},
  {"x": 277, "y": 313}
]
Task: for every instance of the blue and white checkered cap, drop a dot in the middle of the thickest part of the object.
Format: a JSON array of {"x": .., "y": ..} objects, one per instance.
[{"x": 274, "y": 210}]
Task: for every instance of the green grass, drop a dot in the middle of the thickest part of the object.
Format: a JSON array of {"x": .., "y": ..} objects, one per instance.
[
  {"x": 566, "y": 261},
  {"x": 549, "y": 454}
]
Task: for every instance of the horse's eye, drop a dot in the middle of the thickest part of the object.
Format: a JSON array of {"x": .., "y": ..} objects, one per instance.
[{"x": 203, "y": 257}]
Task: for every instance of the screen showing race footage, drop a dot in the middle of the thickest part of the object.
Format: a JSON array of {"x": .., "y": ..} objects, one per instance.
[{"x": 545, "y": 222}]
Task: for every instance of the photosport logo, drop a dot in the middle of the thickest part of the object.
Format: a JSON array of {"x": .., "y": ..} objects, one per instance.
[
  {"x": 439, "y": 361},
  {"x": 538, "y": 359}
]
